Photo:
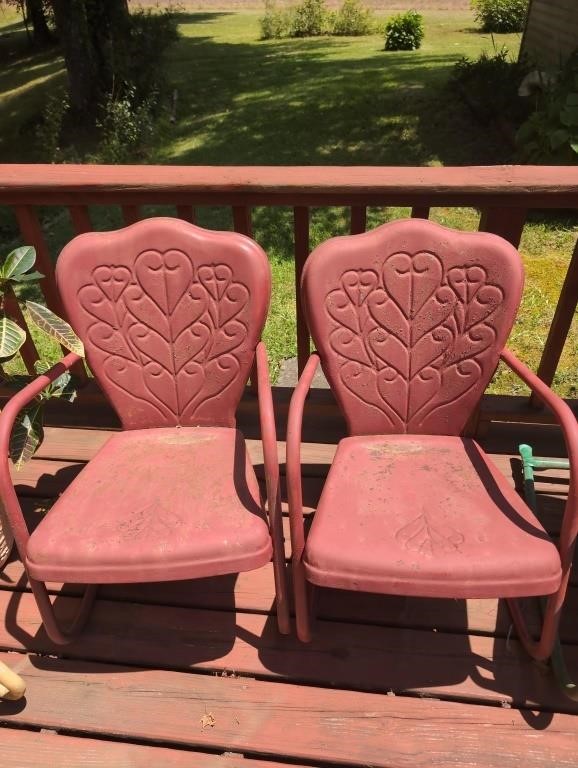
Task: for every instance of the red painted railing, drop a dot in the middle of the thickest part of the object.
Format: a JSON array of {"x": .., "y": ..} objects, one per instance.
[{"x": 503, "y": 194}]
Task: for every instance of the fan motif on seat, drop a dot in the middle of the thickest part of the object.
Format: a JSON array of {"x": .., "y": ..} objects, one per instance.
[
  {"x": 410, "y": 337},
  {"x": 180, "y": 327}
]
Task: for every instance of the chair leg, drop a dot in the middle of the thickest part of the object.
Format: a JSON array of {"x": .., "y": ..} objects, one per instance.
[
  {"x": 280, "y": 571},
  {"x": 54, "y": 632},
  {"x": 548, "y": 609},
  {"x": 302, "y": 608},
  {"x": 281, "y": 597},
  {"x": 541, "y": 649}
]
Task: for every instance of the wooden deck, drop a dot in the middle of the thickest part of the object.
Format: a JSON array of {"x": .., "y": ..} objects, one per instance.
[{"x": 195, "y": 674}]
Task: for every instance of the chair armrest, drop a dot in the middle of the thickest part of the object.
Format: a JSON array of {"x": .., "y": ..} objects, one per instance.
[
  {"x": 271, "y": 462},
  {"x": 268, "y": 433},
  {"x": 294, "y": 425},
  {"x": 567, "y": 421},
  {"x": 7, "y": 419}
]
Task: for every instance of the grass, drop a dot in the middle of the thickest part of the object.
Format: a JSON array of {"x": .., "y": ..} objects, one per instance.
[{"x": 327, "y": 101}]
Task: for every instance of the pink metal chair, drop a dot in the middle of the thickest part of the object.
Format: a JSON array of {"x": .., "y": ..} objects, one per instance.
[
  {"x": 410, "y": 322},
  {"x": 171, "y": 317}
]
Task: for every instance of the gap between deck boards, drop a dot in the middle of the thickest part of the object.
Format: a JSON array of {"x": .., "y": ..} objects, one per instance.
[
  {"x": 30, "y": 749},
  {"x": 272, "y": 719}
]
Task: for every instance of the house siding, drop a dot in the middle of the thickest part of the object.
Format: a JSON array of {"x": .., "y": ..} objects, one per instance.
[{"x": 551, "y": 32}]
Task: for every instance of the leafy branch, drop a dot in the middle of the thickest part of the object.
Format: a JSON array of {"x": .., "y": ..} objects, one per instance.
[{"x": 28, "y": 432}]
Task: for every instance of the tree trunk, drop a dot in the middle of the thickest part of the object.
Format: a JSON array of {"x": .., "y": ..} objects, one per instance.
[
  {"x": 108, "y": 21},
  {"x": 41, "y": 34},
  {"x": 74, "y": 35},
  {"x": 90, "y": 31}
]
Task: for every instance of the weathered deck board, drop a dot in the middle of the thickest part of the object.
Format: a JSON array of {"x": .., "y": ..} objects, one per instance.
[
  {"x": 31, "y": 749},
  {"x": 80, "y": 444},
  {"x": 300, "y": 722},
  {"x": 321, "y": 703},
  {"x": 346, "y": 655},
  {"x": 254, "y": 592},
  {"x": 49, "y": 473}
]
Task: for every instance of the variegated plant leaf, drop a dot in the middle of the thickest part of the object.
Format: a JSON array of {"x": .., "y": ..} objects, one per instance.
[
  {"x": 55, "y": 327},
  {"x": 27, "y": 434},
  {"x": 29, "y": 277},
  {"x": 64, "y": 387},
  {"x": 41, "y": 366},
  {"x": 12, "y": 337},
  {"x": 18, "y": 262}
]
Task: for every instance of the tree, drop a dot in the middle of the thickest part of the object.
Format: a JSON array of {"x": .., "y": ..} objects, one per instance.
[
  {"x": 33, "y": 12},
  {"x": 36, "y": 14},
  {"x": 93, "y": 34}
]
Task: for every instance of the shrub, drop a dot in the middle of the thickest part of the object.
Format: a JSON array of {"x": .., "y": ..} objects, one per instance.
[
  {"x": 49, "y": 131},
  {"x": 550, "y": 134},
  {"x": 500, "y": 15},
  {"x": 130, "y": 115},
  {"x": 128, "y": 127},
  {"x": 310, "y": 19},
  {"x": 141, "y": 64},
  {"x": 353, "y": 18},
  {"x": 276, "y": 23},
  {"x": 404, "y": 32},
  {"x": 490, "y": 84}
]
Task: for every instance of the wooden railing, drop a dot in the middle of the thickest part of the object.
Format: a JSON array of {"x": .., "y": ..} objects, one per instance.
[{"x": 503, "y": 194}]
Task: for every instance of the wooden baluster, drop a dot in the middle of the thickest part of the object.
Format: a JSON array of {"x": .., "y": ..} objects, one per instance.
[
  {"x": 80, "y": 218},
  {"x": 358, "y": 219},
  {"x": 420, "y": 212},
  {"x": 242, "y": 220},
  {"x": 32, "y": 234},
  {"x": 130, "y": 214},
  {"x": 509, "y": 224},
  {"x": 187, "y": 213},
  {"x": 561, "y": 322},
  {"x": 28, "y": 351},
  {"x": 301, "y": 229},
  {"x": 506, "y": 222}
]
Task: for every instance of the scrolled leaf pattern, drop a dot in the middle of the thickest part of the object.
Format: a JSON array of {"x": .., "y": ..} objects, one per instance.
[
  {"x": 422, "y": 536},
  {"x": 168, "y": 334},
  {"x": 410, "y": 336}
]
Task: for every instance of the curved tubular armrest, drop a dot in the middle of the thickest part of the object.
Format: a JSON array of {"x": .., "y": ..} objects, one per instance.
[
  {"x": 268, "y": 433},
  {"x": 294, "y": 425},
  {"x": 7, "y": 419},
  {"x": 567, "y": 421},
  {"x": 271, "y": 462}
]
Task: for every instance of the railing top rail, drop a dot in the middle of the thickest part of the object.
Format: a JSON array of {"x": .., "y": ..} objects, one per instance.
[{"x": 511, "y": 185}]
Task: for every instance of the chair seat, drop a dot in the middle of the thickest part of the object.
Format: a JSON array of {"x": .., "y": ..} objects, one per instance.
[
  {"x": 427, "y": 516},
  {"x": 156, "y": 505}
]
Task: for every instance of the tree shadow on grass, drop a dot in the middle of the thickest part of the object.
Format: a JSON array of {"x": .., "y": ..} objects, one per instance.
[
  {"x": 200, "y": 17},
  {"x": 307, "y": 102},
  {"x": 320, "y": 101}
]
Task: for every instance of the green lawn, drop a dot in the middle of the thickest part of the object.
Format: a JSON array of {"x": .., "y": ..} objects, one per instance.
[{"x": 340, "y": 101}]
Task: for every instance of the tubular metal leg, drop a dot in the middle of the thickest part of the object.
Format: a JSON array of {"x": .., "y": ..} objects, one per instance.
[
  {"x": 54, "y": 632},
  {"x": 556, "y": 654}
]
